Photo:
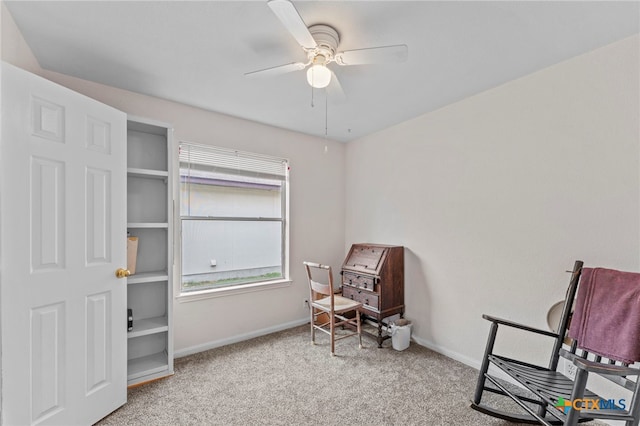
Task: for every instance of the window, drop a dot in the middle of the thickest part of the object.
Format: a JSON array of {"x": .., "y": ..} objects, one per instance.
[{"x": 233, "y": 209}]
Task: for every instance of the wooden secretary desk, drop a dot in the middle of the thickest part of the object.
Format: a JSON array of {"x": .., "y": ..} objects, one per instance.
[{"x": 374, "y": 275}]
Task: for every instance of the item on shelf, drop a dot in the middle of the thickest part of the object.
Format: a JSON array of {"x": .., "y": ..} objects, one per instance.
[
  {"x": 132, "y": 254},
  {"x": 129, "y": 319}
]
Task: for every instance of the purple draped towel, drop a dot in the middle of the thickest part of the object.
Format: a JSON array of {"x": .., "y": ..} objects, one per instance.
[{"x": 606, "y": 319}]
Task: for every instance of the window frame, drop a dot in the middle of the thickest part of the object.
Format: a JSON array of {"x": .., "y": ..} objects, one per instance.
[{"x": 283, "y": 281}]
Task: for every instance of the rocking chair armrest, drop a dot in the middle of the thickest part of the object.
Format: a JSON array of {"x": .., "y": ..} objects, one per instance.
[
  {"x": 605, "y": 369},
  {"x": 518, "y": 326}
]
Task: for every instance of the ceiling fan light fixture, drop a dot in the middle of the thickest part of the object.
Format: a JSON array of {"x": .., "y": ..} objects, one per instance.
[{"x": 318, "y": 76}]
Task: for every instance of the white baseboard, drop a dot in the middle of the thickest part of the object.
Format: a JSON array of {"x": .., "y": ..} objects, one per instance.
[
  {"x": 474, "y": 363},
  {"x": 238, "y": 338},
  {"x": 446, "y": 352}
]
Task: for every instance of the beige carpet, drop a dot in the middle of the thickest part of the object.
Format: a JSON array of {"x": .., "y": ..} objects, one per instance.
[{"x": 281, "y": 379}]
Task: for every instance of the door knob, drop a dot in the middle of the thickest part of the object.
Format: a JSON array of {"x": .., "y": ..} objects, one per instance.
[{"x": 122, "y": 273}]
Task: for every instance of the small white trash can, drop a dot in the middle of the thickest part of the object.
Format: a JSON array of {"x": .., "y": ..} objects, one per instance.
[{"x": 400, "y": 335}]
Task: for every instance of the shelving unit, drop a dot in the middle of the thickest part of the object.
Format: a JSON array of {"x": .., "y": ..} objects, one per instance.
[{"x": 149, "y": 217}]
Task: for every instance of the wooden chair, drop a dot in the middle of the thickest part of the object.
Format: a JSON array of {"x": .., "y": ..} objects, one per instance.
[
  {"x": 553, "y": 398},
  {"x": 327, "y": 308}
]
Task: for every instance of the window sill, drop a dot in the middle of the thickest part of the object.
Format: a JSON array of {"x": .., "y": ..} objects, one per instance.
[{"x": 231, "y": 291}]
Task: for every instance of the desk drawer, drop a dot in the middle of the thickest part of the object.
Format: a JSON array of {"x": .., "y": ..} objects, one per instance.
[
  {"x": 367, "y": 298},
  {"x": 366, "y": 282}
]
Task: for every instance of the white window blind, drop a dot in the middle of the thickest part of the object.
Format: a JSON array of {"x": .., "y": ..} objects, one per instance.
[
  {"x": 233, "y": 208},
  {"x": 214, "y": 159}
]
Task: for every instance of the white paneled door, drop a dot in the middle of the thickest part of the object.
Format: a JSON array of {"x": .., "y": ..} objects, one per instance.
[{"x": 62, "y": 237}]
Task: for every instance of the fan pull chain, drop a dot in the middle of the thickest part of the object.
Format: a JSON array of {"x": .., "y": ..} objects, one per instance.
[
  {"x": 326, "y": 113},
  {"x": 312, "y": 75},
  {"x": 312, "y": 105}
]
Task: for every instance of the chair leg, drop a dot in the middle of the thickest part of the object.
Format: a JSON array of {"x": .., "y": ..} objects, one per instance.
[
  {"x": 579, "y": 384},
  {"x": 485, "y": 363},
  {"x": 359, "y": 323},
  {"x": 634, "y": 408},
  {"x": 313, "y": 330},
  {"x": 332, "y": 329}
]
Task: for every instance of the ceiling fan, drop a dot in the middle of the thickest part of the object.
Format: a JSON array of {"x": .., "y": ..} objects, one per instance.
[{"x": 320, "y": 43}]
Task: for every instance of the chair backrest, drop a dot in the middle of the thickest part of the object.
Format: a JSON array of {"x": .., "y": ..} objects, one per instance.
[
  {"x": 317, "y": 272},
  {"x": 567, "y": 311},
  {"x": 630, "y": 382}
]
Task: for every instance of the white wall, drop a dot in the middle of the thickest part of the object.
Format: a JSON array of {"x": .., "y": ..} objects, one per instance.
[
  {"x": 316, "y": 202},
  {"x": 495, "y": 196}
]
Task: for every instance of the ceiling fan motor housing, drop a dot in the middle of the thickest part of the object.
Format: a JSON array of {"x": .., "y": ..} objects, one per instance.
[{"x": 327, "y": 39}]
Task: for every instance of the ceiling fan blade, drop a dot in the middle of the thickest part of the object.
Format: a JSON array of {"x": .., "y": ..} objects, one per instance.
[
  {"x": 334, "y": 90},
  {"x": 280, "y": 69},
  {"x": 290, "y": 18},
  {"x": 373, "y": 55}
]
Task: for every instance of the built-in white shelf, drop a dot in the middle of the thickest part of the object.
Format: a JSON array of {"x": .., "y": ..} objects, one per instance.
[
  {"x": 148, "y": 277},
  {"x": 147, "y": 173},
  {"x": 143, "y": 327},
  {"x": 150, "y": 161},
  {"x": 147, "y": 365},
  {"x": 147, "y": 225}
]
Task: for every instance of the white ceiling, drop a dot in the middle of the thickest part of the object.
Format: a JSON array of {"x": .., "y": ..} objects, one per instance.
[{"x": 197, "y": 52}]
